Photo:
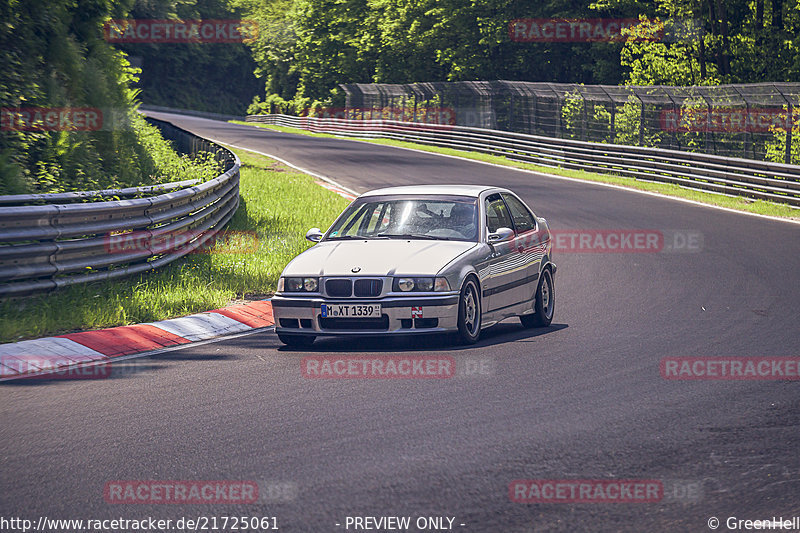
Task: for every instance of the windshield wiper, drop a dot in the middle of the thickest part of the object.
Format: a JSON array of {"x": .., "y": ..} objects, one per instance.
[
  {"x": 354, "y": 237},
  {"x": 411, "y": 236}
]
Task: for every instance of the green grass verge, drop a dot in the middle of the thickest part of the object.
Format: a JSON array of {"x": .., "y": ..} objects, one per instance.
[
  {"x": 278, "y": 204},
  {"x": 742, "y": 204}
]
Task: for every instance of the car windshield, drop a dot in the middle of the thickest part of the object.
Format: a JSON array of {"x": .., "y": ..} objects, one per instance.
[{"x": 437, "y": 218}]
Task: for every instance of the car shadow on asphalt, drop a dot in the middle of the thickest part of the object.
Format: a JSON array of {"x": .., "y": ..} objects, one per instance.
[
  {"x": 107, "y": 370},
  {"x": 498, "y": 334}
]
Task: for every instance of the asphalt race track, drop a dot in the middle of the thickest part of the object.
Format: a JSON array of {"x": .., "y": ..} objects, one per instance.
[{"x": 582, "y": 399}]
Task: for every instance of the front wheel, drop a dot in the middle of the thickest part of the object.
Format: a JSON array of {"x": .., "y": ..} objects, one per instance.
[
  {"x": 544, "y": 305},
  {"x": 469, "y": 313},
  {"x": 296, "y": 341}
]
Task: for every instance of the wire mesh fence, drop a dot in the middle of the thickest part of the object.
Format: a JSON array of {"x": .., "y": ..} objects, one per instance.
[{"x": 754, "y": 121}]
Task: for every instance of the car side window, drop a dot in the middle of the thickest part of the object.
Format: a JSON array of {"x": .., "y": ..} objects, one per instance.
[
  {"x": 497, "y": 214},
  {"x": 523, "y": 220}
]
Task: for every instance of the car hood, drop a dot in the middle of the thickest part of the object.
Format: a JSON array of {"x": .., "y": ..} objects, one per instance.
[{"x": 376, "y": 257}]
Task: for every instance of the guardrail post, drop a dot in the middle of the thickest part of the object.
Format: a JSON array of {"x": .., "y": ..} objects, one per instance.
[{"x": 789, "y": 131}]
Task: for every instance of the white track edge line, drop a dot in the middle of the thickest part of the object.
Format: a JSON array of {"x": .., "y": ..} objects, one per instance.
[{"x": 326, "y": 179}]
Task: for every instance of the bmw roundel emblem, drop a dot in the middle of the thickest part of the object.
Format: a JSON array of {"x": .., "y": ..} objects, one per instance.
[{"x": 355, "y": 269}]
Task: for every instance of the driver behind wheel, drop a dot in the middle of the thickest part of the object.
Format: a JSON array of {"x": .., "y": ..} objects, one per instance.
[{"x": 462, "y": 220}]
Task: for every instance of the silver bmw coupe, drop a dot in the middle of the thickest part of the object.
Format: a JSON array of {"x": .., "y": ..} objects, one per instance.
[{"x": 420, "y": 259}]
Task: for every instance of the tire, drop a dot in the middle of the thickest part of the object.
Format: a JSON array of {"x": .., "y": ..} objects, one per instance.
[
  {"x": 296, "y": 341},
  {"x": 469, "y": 312},
  {"x": 545, "y": 304}
]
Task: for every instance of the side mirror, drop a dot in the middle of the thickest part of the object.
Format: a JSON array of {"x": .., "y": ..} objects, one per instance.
[
  {"x": 314, "y": 235},
  {"x": 501, "y": 235}
]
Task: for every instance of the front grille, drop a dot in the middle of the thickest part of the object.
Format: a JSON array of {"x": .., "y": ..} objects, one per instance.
[
  {"x": 367, "y": 287},
  {"x": 339, "y": 288},
  {"x": 355, "y": 323}
]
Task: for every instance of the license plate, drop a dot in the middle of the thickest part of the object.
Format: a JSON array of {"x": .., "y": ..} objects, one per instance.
[{"x": 350, "y": 310}]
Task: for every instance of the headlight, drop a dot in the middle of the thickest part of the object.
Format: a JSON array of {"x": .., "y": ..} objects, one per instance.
[
  {"x": 420, "y": 284},
  {"x": 298, "y": 284},
  {"x": 424, "y": 284},
  {"x": 404, "y": 284}
]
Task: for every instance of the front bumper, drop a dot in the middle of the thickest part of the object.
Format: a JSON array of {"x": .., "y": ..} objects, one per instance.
[{"x": 299, "y": 315}]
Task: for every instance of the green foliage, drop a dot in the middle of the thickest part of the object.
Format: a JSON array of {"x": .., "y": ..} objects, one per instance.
[
  {"x": 214, "y": 77},
  {"x": 629, "y": 122},
  {"x": 603, "y": 119},
  {"x": 54, "y": 55},
  {"x": 776, "y": 144},
  {"x": 307, "y": 47},
  {"x": 572, "y": 114},
  {"x": 654, "y": 62}
]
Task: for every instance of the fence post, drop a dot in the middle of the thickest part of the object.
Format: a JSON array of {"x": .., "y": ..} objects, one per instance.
[
  {"x": 613, "y": 112},
  {"x": 584, "y": 119},
  {"x": 674, "y": 110},
  {"x": 641, "y": 116},
  {"x": 747, "y": 133},
  {"x": 787, "y": 157}
]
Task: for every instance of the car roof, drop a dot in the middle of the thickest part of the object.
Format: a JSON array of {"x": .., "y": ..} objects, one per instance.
[{"x": 457, "y": 190}]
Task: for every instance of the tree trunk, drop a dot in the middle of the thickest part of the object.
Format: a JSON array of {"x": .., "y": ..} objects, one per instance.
[
  {"x": 777, "y": 14},
  {"x": 723, "y": 26},
  {"x": 702, "y": 57},
  {"x": 712, "y": 17},
  {"x": 759, "y": 14}
]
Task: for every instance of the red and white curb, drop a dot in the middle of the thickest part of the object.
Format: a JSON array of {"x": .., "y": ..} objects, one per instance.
[
  {"x": 337, "y": 189},
  {"x": 53, "y": 354}
]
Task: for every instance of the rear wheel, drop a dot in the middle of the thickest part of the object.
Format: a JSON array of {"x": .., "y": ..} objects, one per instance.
[
  {"x": 469, "y": 313},
  {"x": 296, "y": 341},
  {"x": 544, "y": 305}
]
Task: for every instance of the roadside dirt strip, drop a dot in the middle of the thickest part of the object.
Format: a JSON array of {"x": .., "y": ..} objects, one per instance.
[{"x": 63, "y": 353}]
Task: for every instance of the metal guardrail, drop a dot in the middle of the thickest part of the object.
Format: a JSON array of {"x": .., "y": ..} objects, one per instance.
[
  {"x": 775, "y": 182},
  {"x": 191, "y": 112},
  {"x": 47, "y": 241},
  {"x": 623, "y": 114}
]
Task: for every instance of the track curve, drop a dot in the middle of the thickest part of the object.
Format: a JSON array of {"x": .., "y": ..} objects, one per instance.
[{"x": 582, "y": 399}]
